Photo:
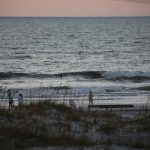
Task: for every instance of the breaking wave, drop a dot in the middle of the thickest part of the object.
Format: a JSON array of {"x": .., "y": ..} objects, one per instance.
[
  {"x": 86, "y": 74},
  {"x": 9, "y": 75},
  {"x": 111, "y": 75},
  {"x": 126, "y": 75}
]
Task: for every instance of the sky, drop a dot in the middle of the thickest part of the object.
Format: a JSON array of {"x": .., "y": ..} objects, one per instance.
[{"x": 74, "y": 8}]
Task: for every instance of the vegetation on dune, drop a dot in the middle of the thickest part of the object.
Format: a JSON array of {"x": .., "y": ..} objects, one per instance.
[
  {"x": 49, "y": 124},
  {"x": 24, "y": 129},
  {"x": 109, "y": 127}
]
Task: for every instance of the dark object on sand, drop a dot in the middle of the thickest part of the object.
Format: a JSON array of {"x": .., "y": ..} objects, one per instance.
[{"x": 112, "y": 106}]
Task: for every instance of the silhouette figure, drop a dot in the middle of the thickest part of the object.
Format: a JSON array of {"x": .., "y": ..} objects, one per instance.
[
  {"x": 90, "y": 98},
  {"x": 20, "y": 99},
  {"x": 10, "y": 98}
]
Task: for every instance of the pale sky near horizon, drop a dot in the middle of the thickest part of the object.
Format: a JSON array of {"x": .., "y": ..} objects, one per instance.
[{"x": 74, "y": 7}]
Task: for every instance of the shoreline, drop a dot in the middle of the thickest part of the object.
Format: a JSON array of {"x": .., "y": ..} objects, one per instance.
[{"x": 136, "y": 107}]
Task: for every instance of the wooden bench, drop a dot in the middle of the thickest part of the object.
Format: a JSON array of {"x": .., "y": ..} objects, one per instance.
[{"x": 111, "y": 106}]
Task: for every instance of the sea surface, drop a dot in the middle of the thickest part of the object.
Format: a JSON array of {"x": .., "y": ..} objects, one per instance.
[{"x": 53, "y": 57}]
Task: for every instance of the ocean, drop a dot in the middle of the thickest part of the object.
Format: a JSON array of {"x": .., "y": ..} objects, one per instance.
[{"x": 71, "y": 55}]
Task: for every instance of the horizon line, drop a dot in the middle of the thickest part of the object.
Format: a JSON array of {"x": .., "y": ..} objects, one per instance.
[{"x": 73, "y": 16}]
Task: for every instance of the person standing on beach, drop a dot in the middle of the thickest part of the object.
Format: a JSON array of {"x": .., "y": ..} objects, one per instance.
[
  {"x": 10, "y": 98},
  {"x": 20, "y": 100},
  {"x": 90, "y": 98}
]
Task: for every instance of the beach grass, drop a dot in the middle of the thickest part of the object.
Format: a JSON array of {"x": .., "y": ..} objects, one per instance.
[
  {"x": 48, "y": 123},
  {"x": 109, "y": 127}
]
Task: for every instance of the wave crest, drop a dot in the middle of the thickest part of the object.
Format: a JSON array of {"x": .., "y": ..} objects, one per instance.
[
  {"x": 126, "y": 75},
  {"x": 84, "y": 74}
]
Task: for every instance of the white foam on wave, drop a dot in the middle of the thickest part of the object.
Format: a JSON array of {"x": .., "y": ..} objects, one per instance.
[{"x": 125, "y": 74}]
